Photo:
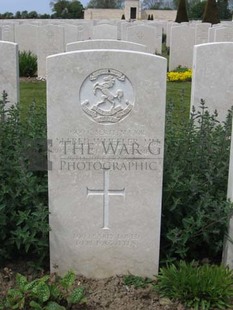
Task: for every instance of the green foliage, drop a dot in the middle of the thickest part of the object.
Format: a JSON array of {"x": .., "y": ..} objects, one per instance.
[
  {"x": 180, "y": 69},
  {"x": 23, "y": 190},
  {"x": 196, "y": 11},
  {"x": 27, "y": 64},
  {"x": 195, "y": 210},
  {"x": 67, "y": 9},
  {"x": 197, "y": 287},
  {"x": 23, "y": 15},
  {"x": 223, "y": 10},
  {"x": 182, "y": 15},
  {"x": 211, "y": 14},
  {"x": 136, "y": 281},
  {"x": 164, "y": 37},
  {"x": 105, "y": 4},
  {"x": 155, "y": 5},
  {"x": 45, "y": 293}
]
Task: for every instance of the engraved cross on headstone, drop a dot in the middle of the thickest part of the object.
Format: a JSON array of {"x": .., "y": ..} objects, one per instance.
[{"x": 105, "y": 192}]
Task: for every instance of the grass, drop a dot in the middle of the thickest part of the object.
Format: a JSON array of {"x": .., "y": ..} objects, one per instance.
[
  {"x": 178, "y": 93},
  {"x": 32, "y": 91}
]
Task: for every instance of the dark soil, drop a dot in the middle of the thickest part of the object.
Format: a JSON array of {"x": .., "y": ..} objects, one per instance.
[{"x": 110, "y": 293}]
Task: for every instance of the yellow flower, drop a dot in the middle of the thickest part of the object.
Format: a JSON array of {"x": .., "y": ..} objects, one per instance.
[{"x": 174, "y": 76}]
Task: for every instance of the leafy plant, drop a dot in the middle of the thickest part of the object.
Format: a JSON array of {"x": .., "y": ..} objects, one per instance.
[
  {"x": 196, "y": 10},
  {"x": 23, "y": 189},
  {"x": 181, "y": 69},
  {"x": 195, "y": 210},
  {"x": 27, "y": 64},
  {"x": 46, "y": 293},
  {"x": 136, "y": 281},
  {"x": 198, "y": 287}
]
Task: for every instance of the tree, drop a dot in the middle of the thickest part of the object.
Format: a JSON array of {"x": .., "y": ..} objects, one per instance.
[
  {"x": 211, "y": 13},
  {"x": 197, "y": 10},
  {"x": 150, "y": 4},
  {"x": 105, "y": 4},
  {"x": 33, "y": 14},
  {"x": 7, "y": 15},
  {"x": 44, "y": 16},
  {"x": 67, "y": 9},
  {"x": 182, "y": 15},
  {"x": 24, "y": 14},
  {"x": 18, "y": 15},
  {"x": 223, "y": 10}
]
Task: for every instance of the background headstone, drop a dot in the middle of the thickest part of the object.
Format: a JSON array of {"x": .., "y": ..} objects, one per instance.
[
  {"x": 105, "y": 44},
  {"x": 223, "y": 34},
  {"x": 145, "y": 35},
  {"x": 212, "y": 78},
  {"x": 181, "y": 47},
  {"x": 104, "y": 31},
  {"x": 201, "y": 33},
  {"x": 26, "y": 37},
  {"x": 8, "y": 32},
  {"x": 51, "y": 40},
  {"x": 9, "y": 72}
]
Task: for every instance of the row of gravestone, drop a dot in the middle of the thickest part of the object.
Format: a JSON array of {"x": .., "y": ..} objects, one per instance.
[
  {"x": 52, "y": 39},
  {"x": 182, "y": 38},
  {"x": 49, "y": 39},
  {"x": 105, "y": 184}
]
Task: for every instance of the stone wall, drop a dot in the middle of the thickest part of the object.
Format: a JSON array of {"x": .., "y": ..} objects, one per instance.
[
  {"x": 117, "y": 14},
  {"x": 103, "y": 14},
  {"x": 160, "y": 14}
]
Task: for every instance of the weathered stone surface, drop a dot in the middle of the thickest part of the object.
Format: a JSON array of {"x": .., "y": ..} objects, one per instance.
[
  {"x": 212, "y": 77},
  {"x": 26, "y": 37},
  {"x": 181, "y": 47},
  {"x": 9, "y": 68},
  {"x": 145, "y": 35},
  {"x": 104, "y": 31},
  {"x": 106, "y": 122},
  {"x": 105, "y": 44},
  {"x": 50, "y": 42}
]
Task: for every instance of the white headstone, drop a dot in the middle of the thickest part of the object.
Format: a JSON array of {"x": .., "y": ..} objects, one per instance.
[
  {"x": 145, "y": 35},
  {"x": 50, "y": 42},
  {"x": 104, "y": 31},
  {"x": 26, "y": 37},
  {"x": 211, "y": 34},
  {"x": 181, "y": 47},
  {"x": 227, "y": 257},
  {"x": 124, "y": 26},
  {"x": 8, "y": 32},
  {"x": 224, "y": 34},
  {"x": 71, "y": 33},
  {"x": 201, "y": 33},
  {"x": 105, "y": 44},
  {"x": 212, "y": 78},
  {"x": 158, "y": 36},
  {"x": 107, "y": 128},
  {"x": 9, "y": 68},
  {"x": 168, "y": 32},
  {"x": 84, "y": 32}
]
